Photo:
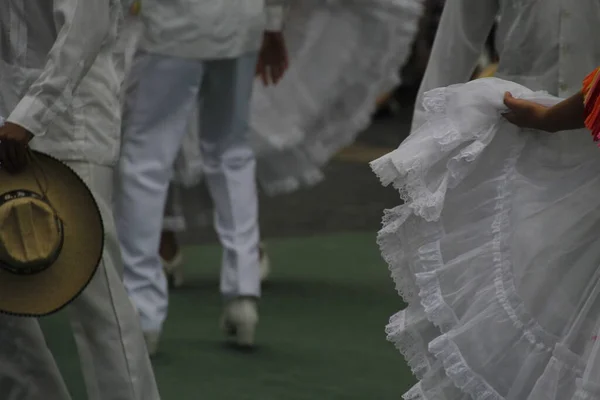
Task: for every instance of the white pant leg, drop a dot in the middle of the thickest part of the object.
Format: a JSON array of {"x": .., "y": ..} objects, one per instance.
[
  {"x": 230, "y": 170},
  {"x": 109, "y": 339},
  {"x": 27, "y": 369},
  {"x": 155, "y": 122}
]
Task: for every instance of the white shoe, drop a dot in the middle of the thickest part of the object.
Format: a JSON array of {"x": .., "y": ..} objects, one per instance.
[
  {"x": 265, "y": 263},
  {"x": 239, "y": 321},
  {"x": 152, "y": 339},
  {"x": 174, "y": 270}
]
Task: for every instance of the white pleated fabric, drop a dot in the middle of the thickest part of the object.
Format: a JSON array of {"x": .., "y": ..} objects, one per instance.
[
  {"x": 496, "y": 250},
  {"x": 343, "y": 55}
]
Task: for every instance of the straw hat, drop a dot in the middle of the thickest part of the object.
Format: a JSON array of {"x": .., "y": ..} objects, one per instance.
[{"x": 51, "y": 237}]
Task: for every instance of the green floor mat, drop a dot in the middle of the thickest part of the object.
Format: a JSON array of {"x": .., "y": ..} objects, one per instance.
[{"x": 321, "y": 332}]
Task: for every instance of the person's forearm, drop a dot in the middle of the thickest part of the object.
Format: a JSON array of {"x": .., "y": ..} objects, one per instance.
[
  {"x": 83, "y": 26},
  {"x": 567, "y": 115}
]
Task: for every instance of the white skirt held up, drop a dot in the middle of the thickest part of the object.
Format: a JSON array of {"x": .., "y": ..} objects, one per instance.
[{"x": 496, "y": 251}]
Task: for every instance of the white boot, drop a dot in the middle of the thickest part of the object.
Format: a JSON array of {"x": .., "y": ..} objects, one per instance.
[{"x": 239, "y": 321}]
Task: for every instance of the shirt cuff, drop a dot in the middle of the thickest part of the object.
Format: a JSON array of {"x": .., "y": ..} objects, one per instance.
[
  {"x": 275, "y": 16},
  {"x": 30, "y": 113}
]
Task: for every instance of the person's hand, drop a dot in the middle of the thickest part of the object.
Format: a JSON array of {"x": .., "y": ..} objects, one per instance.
[
  {"x": 526, "y": 114},
  {"x": 13, "y": 147},
  {"x": 272, "y": 58}
]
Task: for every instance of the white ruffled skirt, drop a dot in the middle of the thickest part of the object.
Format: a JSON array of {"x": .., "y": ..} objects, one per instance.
[
  {"x": 343, "y": 55},
  {"x": 496, "y": 250}
]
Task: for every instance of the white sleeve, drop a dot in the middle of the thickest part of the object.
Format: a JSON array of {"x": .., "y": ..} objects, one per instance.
[
  {"x": 275, "y": 13},
  {"x": 459, "y": 41},
  {"x": 82, "y": 26}
]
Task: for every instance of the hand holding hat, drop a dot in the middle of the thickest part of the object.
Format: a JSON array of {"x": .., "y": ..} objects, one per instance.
[
  {"x": 13, "y": 147},
  {"x": 51, "y": 237},
  {"x": 51, "y": 230}
]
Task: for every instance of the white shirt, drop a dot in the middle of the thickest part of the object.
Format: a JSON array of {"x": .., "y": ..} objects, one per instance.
[
  {"x": 208, "y": 29},
  {"x": 57, "y": 75},
  {"x": 544, "y": 45}
]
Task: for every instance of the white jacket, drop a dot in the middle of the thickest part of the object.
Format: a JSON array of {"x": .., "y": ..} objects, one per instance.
[
  {"x": 544, "y": 45},
  {"x": 208, "y": 29},
  {"x": 58, "y": 78}
]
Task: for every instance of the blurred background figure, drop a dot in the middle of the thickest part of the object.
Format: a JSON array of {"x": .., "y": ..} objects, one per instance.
[
  {"x": 402, "y": 97},
  {"x": 343, "y": 55},
  {"x": 195, "y": 53}
]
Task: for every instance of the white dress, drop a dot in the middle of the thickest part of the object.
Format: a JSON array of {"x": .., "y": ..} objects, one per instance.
[
  {"x": 495, "y": 248},
  {"x": 496, "y": 251},
  {"x": 343, "y": 55}
]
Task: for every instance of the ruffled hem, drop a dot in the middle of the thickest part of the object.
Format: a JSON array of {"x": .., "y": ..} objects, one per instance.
[
  {"x": 340, "y": 122},
  {"x": 445, "y": 318}
]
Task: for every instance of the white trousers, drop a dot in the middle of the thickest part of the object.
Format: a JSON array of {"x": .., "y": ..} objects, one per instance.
[
  {"x": 109, "y": 340},
  {"x": 155, "y": 123}
]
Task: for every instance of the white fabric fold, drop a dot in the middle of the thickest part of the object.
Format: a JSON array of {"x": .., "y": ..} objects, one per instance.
[{"x": 496, "y": 251}]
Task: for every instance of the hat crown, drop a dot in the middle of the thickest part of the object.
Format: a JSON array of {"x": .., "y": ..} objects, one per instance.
[{"x": 30, "y": 235}]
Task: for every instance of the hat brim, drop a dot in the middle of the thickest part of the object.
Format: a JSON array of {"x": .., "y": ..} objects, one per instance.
[{"x": 48, "y": 291}]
